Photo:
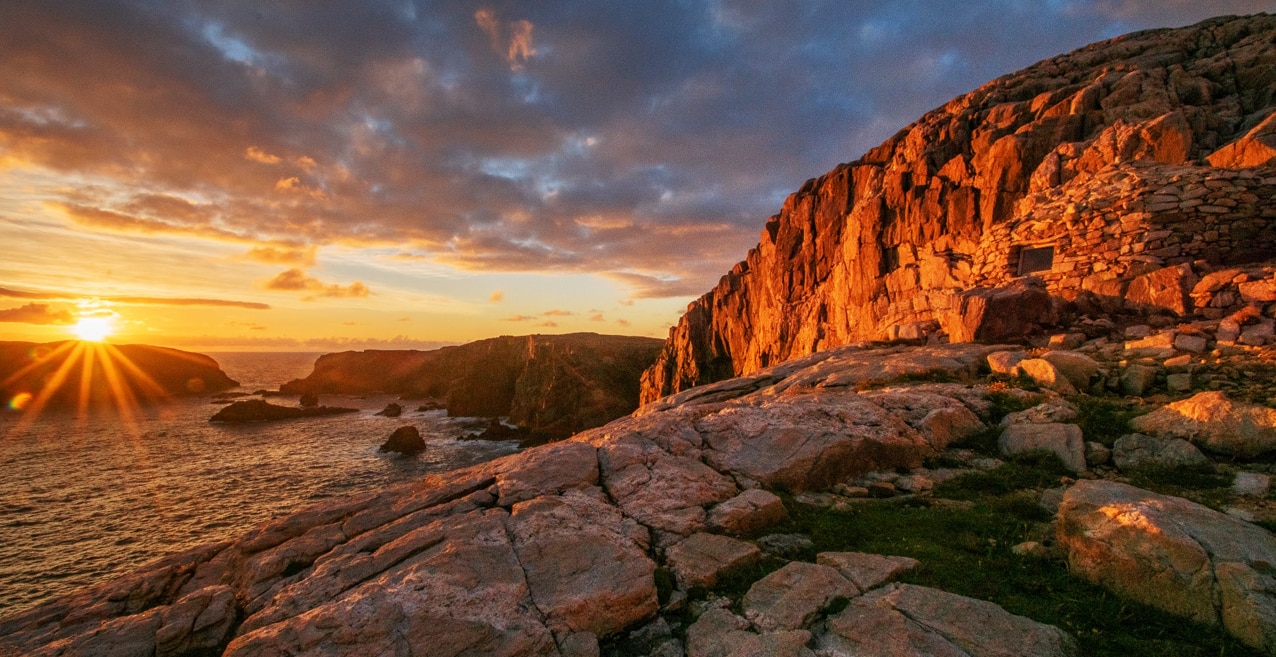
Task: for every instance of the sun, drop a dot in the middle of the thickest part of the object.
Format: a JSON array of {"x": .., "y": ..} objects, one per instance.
[{"x": 93, "y": 329}]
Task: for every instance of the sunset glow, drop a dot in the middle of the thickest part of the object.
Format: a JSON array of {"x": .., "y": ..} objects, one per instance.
[
  {"x": 93, "y": 329},
  {"x": 396, "y": 174}
]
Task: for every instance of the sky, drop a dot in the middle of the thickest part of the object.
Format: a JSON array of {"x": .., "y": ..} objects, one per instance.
[{"x": 320, "y": 176}]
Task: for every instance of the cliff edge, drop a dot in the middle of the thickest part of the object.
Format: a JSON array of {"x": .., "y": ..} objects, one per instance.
[
  {"x": 1050, "y": 190},
  {"x": 552, "y": 384}
]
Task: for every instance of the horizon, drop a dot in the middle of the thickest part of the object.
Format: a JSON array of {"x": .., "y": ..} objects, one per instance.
[{"x": 236, "y": 179}]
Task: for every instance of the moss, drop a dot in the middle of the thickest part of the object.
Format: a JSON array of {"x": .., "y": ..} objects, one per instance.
[{"x": 664, "y": 584}]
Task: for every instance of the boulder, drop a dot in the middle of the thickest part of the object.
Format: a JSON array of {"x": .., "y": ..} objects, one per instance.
[
  {"x": 1054, "y": 410},
  {"x": 1062, "y": 440},
  {"x": 1078, "y": 368},
  {"x": 1137, "y": 379},
  {"x": 1252, "y": 484},
  {"x": 791, "y": 597},
  {"x": 1046, "y": 375},
  {"x": 1135, "y": 450},
  {"x": 1005, "y": 362},
  {"x": 308, "y": 399},
  {"x": 391, "y": 410},
  {"x": 751, "y": 511},
  {"x": 404, "y": 440},
  {"x": 259, "y": 410},
  {"x": 999, "y": 314},
  {"x": 1173, "y": 554},
  {"x": 903, "y": 619},
  {"x": 1215, "y": 423},
  {"x": 1164, "y": 289},
  {"x": 700, "y": 559}
]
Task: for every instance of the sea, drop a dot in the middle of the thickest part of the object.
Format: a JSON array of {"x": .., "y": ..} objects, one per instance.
[{"x": 83, "y": 499}]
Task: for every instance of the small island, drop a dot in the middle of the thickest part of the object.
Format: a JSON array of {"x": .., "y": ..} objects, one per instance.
[{"x": 259, "y": 410}]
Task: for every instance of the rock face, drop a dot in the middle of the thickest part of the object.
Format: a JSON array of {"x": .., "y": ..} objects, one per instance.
[
  {"x": 552, "y": 548},
  {"x": 146, "y": 373},
  {"x": 1086, "y": 172},
  {"x": 552, "y": 384},
  {"x": 1173, "y": 554},
  {"x": 259, "y": 410}
]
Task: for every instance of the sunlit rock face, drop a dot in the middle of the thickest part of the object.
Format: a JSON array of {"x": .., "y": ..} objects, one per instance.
[
  {"x": 89, "y": 374},
  {"x": 1109, "y": 178}
]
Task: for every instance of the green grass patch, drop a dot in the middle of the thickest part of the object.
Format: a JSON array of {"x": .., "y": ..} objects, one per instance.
[
  {"x": 1010, "y": 477},
  {"x": 1203, "y": 485},
  {"x": 1104, "y": 419},
  {"x": 965, "y": 549}
]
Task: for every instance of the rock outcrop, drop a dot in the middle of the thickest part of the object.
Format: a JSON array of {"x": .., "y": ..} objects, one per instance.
[
  {"x": 259, "y": 410},
  {"x": 554, "y": 385},
  {"x": 1111, "y": 178},
  {"x": 54, "y": 374},
  {"x": 553, "y": 548}
]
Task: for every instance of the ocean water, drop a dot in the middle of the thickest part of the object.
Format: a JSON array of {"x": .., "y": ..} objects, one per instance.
[{"x": 86, "y": 498}]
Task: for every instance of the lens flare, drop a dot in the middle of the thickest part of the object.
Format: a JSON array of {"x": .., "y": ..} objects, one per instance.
[{"x": 20, "y": 401}]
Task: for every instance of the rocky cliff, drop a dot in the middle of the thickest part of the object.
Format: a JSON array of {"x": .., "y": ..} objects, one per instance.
[
  {"x": 71, "y": 374},
  {"x": 1047, "y": 191},
  {"x": 551, "y": 384}
]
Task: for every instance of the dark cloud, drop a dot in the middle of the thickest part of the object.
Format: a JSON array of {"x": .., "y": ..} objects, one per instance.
[
  {"x": 36, "y": 313},
  {"x": 647, "y": 139}
]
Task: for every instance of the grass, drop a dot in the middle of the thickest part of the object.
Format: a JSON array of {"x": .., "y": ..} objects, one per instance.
[
  {"x": 1201, "y": 485},
  {"x": 965, "y": 549},
  {"x": 1104, "y": 419}
]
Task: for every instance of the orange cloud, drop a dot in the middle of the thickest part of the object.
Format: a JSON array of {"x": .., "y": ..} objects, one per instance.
[
  {"x": 558, "y": 313},
  {"x": 597, "y": 317},
  {"x": 548, "y": 324},
  {"x": 519, "y": 48},
  {"x": 296, "y": 280},
  {"x": 37, "y": 313},
  {"x": 278, "y": 255},
  {"x": 519, "y": 318},
  {"x": 258, "y": 155},
  {"x": 497, "y": 296}
]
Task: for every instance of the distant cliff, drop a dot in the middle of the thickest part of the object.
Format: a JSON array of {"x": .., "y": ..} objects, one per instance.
[
  {"x": 68, "y": 374},
  {"x": 1086, "y": 171},
  {"x": 551, "y": 384}
]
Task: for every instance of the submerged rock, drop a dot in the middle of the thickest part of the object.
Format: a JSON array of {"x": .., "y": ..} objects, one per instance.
[
  {"x": 391, "y": 410},
  {"x": 258, "y": 410}
]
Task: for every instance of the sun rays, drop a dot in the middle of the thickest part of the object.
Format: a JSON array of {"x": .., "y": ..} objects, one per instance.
[{"x": 89, "y": 374}]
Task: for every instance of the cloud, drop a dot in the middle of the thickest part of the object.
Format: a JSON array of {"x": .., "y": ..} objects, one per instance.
[
  {"x": 497, "y": 296},
  {"x": 519, "y": 318},
  {"x": 136, "y": 300},
  {"x": 324, "y": 344},
  {"x": 296, "y": 280},
  {"x": 252, "y": 326},
  {"x": 597, "y": 317},
  {"x": 624, "y": 322},
  {"x": 648, "y": 139},
  {"x": 257, "y": 155},
  {"x": 519, "y": 48},
  {"x": 558, "y": 313},
  {"x": 548, "y": 324},
  {"x": 279, "y": 255},
  {"x": 37, "y": 313}
]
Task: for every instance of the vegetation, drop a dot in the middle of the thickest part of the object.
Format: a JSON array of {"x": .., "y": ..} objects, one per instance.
[{"x": 963, "y": 539}]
